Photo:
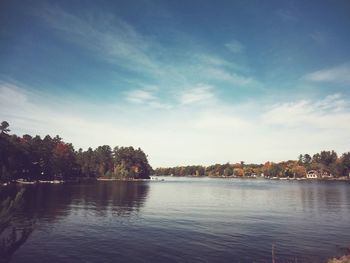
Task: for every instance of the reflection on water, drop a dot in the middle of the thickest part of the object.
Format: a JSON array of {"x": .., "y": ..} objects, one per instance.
[
  {"x": 13, "y": 233},
  {"x": 120, "y": 199},
  {"x": 186, "y": 219},
  {"x": 52, "y": 202},
  {"x": 22, "y": 208}
]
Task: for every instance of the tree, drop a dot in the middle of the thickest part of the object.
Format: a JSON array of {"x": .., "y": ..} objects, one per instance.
[
  {"x": 87, "y": 162},
  {"x": 228, "y": 171},
  {"x": 104, "y": 159},
  {"x": 307, "y": 159},
  {"x": 238, "y": 172},
  {"x": 63, "y": 161},
  {"x": 328, "y": 157},
  {"x": 272, "y": 169},
  {"x": 298, "y": 171},
  {"x": 4, "y": 127},
  {"x": 345, "y": 164},
  {"x": 300, "y": 159},
  {"x": 133, "y": 161}
]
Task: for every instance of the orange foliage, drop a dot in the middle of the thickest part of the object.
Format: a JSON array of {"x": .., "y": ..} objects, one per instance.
[{"x": 238, "y": 172}]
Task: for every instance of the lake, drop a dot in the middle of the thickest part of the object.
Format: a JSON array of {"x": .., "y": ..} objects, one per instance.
[{"x": 184, "y": 220}]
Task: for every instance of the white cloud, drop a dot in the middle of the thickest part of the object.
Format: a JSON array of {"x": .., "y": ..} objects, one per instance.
[
  {"x": 214, "y": 132},
  {"x": 339, "y": 74},
  {"x": 211, "y": 60},
  {"x": 10, "y": 94},
  {"x": 140, "y": 96},
  {"x": 146, "y": 96},
  {"x": 218, "y": 121},
  {"x": 110, "y": 38},
  {"x": 199, "y": 94},
  {"x": 106, "y": 36},
  {"x": 230, "y": 77},
  {"x": 235, "y": 46},
  {"x": 330, "y": 113}
]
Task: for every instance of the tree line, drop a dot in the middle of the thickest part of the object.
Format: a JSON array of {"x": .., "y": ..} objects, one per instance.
[
  {"x": 36, "y": 158},
  {"x": 324, "y": 163},
  {"x": 48, "y": 158}
]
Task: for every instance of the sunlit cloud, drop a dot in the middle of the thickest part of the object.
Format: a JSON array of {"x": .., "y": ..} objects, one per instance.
[
  {"x": 140, "y": 96},
  {"x": 216, "y": 131},
  {"x": 148, "y": 97},
  {"x": 199, "y": 94},
  {"x": 183, "y": 94},
  {"x": 338, "y": 74},
  {"x": 330, "y": 113}
]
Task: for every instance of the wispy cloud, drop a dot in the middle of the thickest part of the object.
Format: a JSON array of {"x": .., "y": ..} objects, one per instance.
[
  {"x": 286, "y": 15},
  {"x": 332, "y": 112},
  {"x": 199, "y": 94},
  {"x": 238, "y": 80},
  {"x": 10, "y": 94},
  {"x": 217, "y": 131},
  {"x": 107, "y": 36},
  {"x": 112, "y": 39},
  {"x": 339, "y": 74},
  {"x": 219, "y": 121},
  {"x": 210, "y": 59},
  {"x": 147, "y": 96},
  {"x": 140, "y": 96},
  {"x": 210, "y": 69},
  {"x": 235, "y": 46}
]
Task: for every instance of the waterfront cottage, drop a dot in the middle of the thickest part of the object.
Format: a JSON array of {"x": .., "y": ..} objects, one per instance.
[{"x": 312, "y": 174}]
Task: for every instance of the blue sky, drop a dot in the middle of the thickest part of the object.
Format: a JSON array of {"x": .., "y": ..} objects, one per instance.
[{"x": 190, "y": 82}]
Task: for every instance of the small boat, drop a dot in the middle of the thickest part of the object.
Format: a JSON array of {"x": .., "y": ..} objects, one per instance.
[
  {"x": 44, "y": 182},
  {"x": 21, "y": 181},
  {"x": 51, "y": 182},
  {"x": 56, "y": 182}
]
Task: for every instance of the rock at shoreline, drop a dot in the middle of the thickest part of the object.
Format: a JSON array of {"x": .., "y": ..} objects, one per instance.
[{"x": 343, "y": 259}]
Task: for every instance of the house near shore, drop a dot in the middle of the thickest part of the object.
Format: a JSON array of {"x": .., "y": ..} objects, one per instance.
[
  {"x": 326, "y": 175},
  {"x": 312, "y": 174}
]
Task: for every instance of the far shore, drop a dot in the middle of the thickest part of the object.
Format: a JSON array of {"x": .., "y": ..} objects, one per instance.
[
  {"x": 343, "y": 178},
  {"x": 119, "y": 179},
  {"x": 156, "y": 178}
]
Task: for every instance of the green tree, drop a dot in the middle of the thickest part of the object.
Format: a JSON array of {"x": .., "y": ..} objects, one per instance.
[
  {"x": 63, "y": 161},
  {"x": 345, "y": 164},
  {"x": 228, "y": 171},
  {"x": 328, "y": 157},
  {"x": 104, "y": 159},
  {"x": 4, "y": 127},
  {"x": 133, "y": 161}
]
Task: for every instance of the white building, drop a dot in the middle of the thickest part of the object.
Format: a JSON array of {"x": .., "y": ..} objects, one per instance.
[{"x": 312, "y": 174}]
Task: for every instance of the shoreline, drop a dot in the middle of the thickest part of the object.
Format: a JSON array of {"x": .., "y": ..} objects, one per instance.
[
  {"x": 156, "y": 178},
  {"x": 259, "y": 178},
  {"x": 126, "y": 180}
]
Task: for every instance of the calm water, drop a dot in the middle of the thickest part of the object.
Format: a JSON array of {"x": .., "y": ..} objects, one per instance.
[{"x": 185, "y": 220}]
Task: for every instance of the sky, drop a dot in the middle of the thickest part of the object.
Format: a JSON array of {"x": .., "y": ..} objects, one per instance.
[{"x": 189, "y": 82}]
